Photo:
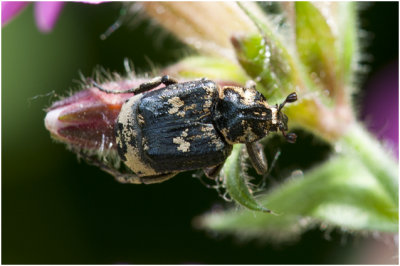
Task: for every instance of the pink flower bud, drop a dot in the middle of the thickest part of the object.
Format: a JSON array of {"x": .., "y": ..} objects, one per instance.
[{"x": 86, "y": 119}]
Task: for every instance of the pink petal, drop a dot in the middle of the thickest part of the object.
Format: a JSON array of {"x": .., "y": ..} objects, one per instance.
[
  {"x": 10, "y": 10},
  {"x": 381, "y": 105},
  {"x": 46, "y": 14}
]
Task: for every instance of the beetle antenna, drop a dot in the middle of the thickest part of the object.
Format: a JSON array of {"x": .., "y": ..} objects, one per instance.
[
  {"x": 289, "y": 99},
  {"x": 95, "y": 84}
]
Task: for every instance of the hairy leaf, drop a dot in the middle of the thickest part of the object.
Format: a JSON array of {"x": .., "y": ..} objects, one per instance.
[
  {"x": 266, "y": 58},
  {"x": 341, "y": 192},
  {"x": 214, "y": 68},
  {"x": 316, "y": 45},
  {"x": 348, "y": 45},
  {"x": 235, "y": 181}
]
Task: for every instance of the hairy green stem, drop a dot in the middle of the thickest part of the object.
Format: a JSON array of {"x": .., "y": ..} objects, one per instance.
[
  {"x": 356, "y": 189},
  {"x": 361, "y": 144}
]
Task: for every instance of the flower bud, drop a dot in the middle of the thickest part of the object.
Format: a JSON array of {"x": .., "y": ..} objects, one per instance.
[
  {"x": 206, "y": 26},
  {"x": 86, "y": 119}
]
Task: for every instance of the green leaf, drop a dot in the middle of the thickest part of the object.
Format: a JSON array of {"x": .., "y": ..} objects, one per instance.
[
  {"x": 316, "y": 45},
  {"x": 341, "y": 192},
  {"x": 266, "y": 59},
  {"x": 235, "y": 180},
  {"x": 263, "y": 64}
]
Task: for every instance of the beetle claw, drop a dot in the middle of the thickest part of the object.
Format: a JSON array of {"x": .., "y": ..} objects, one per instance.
[{"x": 290, "y": 137}]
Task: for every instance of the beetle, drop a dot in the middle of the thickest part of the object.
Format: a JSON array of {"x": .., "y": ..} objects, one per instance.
[{"x": 191, "y": 125}]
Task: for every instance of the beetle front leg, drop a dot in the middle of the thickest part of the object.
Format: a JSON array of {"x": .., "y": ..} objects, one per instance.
[
  {"x": 213, "y": 171},
  {"x": 257, "y": 157},
  {"x": 151, "y": 84}
]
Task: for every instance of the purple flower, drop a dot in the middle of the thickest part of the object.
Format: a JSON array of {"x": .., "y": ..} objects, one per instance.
[
  {"x": 46, "y": 13},
  {"x": 381, "y": 106}
]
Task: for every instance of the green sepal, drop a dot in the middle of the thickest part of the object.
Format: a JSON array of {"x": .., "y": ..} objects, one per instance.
[
  {"x": 235, "y": 181},
  {"x": 266, "y": 63},
  {"x": 316, "y": 45},
  {"x": 266, "y": 58},
  {"x": 214, "y": 68},
  {"x": 348, "y": 45}
]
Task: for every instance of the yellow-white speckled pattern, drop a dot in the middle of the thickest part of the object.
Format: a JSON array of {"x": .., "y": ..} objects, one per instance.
[{"x": 133, "y": 158}]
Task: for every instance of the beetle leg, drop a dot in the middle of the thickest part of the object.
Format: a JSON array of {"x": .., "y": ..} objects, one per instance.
[
  {"x": 257, "y": 157},
  {"x": 151, "y": 84},
  {"x": 156, "y": 178},
  {"x": 213, "y": 171},
  {"x": 126, "y": 177},
  {"x": 119, "y": 176},
  {"x": 263, "y": 181},
  {"x": 135, "y": 179}
]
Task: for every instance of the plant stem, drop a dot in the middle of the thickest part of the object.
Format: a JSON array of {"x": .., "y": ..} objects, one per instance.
[{"x": 372, "y": 154}]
